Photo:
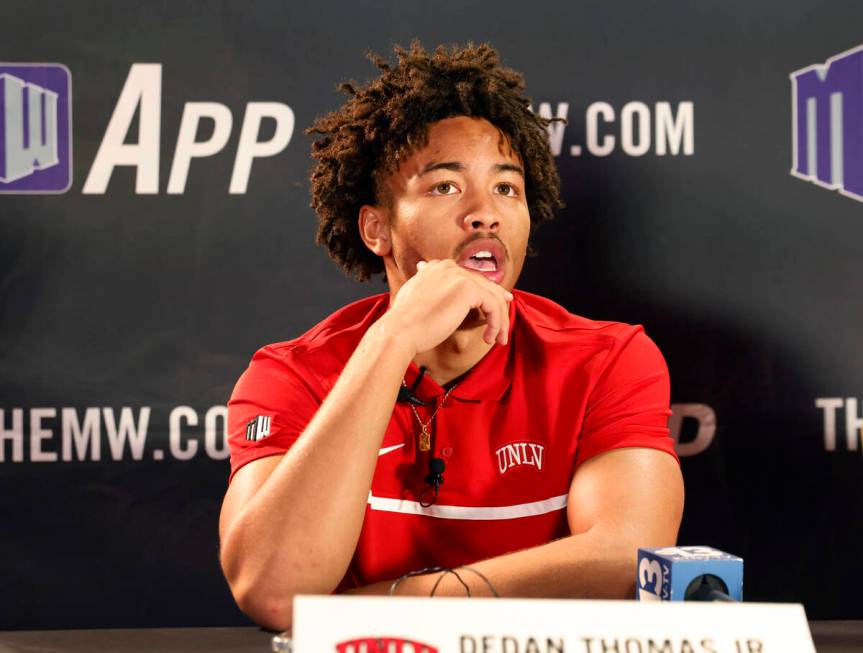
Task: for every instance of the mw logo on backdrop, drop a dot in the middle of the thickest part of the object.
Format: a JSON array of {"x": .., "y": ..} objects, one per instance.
[
  {"x": 827, "y": 123},
  {"x": 35, "y": 128}
]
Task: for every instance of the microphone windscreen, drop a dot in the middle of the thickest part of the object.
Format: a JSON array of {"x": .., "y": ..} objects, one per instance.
[{"x": 437, "y": 466}]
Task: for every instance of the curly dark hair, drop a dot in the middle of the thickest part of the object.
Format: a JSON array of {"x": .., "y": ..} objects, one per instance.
[{"x": 363, "y": 141}]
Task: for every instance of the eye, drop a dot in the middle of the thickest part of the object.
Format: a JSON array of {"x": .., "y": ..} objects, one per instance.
[
  {"x": 505, "y": 188},
  {"x": 444, "y": 188}
]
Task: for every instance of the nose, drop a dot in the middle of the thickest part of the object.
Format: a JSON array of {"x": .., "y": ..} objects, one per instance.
[{"x": 482, "y": 217}]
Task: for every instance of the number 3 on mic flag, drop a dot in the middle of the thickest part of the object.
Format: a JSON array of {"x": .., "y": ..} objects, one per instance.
[{"x": 652, "y": 585}]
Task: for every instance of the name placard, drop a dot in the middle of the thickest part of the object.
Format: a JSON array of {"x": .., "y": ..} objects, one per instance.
[{"x": 352, "y": 624}]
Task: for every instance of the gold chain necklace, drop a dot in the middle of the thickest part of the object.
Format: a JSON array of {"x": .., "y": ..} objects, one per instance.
[{"x": 425, "y": 434}]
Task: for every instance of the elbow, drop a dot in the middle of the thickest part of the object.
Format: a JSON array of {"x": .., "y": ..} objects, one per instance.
[
  {"x": 271, "y": 606},
  {"x": 265, "y": 595},
  {"x": 266, "y": 610},
  {"x": 267, "y": 605}
]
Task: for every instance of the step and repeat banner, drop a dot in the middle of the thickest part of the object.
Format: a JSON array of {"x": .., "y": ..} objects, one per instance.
[{"x": 155, "y": 230}]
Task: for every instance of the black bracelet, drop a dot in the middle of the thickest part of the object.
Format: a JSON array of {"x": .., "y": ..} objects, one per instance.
[
  {"x": 483, "y": 576},
  {"x": 411, "y": 574},
  {"x": 454, "y": 573},
  {"x": 431, "y": 570}
]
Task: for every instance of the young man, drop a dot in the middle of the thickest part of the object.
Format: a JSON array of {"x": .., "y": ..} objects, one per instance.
[{"x": 453, "y": 422}]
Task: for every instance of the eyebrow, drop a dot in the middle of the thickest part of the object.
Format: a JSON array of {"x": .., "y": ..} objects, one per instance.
[{"x": 456, "y": 166}]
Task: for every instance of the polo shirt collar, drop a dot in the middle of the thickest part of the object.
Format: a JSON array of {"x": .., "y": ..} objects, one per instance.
[{"x": 488, "y": 380}]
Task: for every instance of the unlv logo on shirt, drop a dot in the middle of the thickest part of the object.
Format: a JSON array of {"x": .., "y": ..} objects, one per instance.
[
  {"x": 384, "y": 645},
  {"x": 517, "y": 454}
]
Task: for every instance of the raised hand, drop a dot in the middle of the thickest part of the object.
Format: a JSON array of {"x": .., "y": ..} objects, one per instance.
[{"x": 436, "y": 300}]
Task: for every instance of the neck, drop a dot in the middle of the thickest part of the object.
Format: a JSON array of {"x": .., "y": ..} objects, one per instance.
[{"x": 456, "y": 355}]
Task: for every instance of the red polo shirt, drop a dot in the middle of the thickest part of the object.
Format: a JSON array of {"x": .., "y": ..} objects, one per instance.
[{"x": 511, "y": 432}]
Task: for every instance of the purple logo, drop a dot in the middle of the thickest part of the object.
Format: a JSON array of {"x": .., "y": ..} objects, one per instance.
[
  {"x": 827, "y": 129},
  {"x": 35, "y": 128}
]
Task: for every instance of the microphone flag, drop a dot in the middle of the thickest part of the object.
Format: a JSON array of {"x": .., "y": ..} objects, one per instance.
[{"x": 682, "y": 573}]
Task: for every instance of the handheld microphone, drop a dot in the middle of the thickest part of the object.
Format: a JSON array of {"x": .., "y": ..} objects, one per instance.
[{"x": 688, "y": 573}]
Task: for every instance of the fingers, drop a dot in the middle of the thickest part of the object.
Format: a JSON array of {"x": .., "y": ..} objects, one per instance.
[
  {"x": 494, "y": 305},
  {"x": 495, "y": 319},
  {"x": 476, "y": 290}
]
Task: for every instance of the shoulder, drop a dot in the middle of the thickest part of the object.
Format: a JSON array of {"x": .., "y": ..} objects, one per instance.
[
  {"x": 553, "y": 325},
  {"x": 610, "y": 371},
  {"x": 600, "y": 352},
  {"x": 323, "y": 350}
]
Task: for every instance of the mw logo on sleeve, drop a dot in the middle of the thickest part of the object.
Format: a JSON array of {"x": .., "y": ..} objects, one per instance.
[{"x": 258, "y": 428}]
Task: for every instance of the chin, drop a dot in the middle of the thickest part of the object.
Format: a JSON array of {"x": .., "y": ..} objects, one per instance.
[{"x": 472, "y": 320}]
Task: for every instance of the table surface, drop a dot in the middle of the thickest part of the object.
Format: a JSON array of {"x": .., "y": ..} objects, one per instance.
[
  {"x": 829, "y": 637},
  {"x": 138, "y": 640}
]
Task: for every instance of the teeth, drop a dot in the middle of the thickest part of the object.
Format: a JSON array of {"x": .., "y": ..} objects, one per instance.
[{"x": 481, "y": 263}]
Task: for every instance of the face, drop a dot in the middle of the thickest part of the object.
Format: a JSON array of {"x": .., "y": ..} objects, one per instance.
[{"x": 461, "y": 197}]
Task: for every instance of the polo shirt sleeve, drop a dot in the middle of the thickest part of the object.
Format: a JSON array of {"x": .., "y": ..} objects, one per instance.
[
  {"x": 273, "y": 401},
  {"x": 629, "y": 404}
]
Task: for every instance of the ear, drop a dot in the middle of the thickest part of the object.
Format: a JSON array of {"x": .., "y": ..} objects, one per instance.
[{"x": 374, "y": 229}]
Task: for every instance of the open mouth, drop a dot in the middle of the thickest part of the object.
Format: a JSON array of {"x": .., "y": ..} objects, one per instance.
[
  {"x": 486, "y": 256},
  {"x": 482, "y": 261}
]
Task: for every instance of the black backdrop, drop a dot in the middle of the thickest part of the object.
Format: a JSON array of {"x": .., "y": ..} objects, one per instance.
[{"x": 148, "y": 302}]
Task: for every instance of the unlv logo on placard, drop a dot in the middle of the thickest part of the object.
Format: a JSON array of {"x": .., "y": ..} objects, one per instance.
[{"x": 384, "y": 645}]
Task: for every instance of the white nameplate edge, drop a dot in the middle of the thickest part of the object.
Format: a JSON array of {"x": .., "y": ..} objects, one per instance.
[{"x": 352, "y": 624}]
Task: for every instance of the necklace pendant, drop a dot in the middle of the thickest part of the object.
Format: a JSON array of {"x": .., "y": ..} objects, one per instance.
[{"x": 425, "y": 439}]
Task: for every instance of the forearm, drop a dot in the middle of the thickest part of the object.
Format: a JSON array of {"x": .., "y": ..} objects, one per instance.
[
  {"x": 298, "y": 532},
  {"x": 588, "y": 565}
]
